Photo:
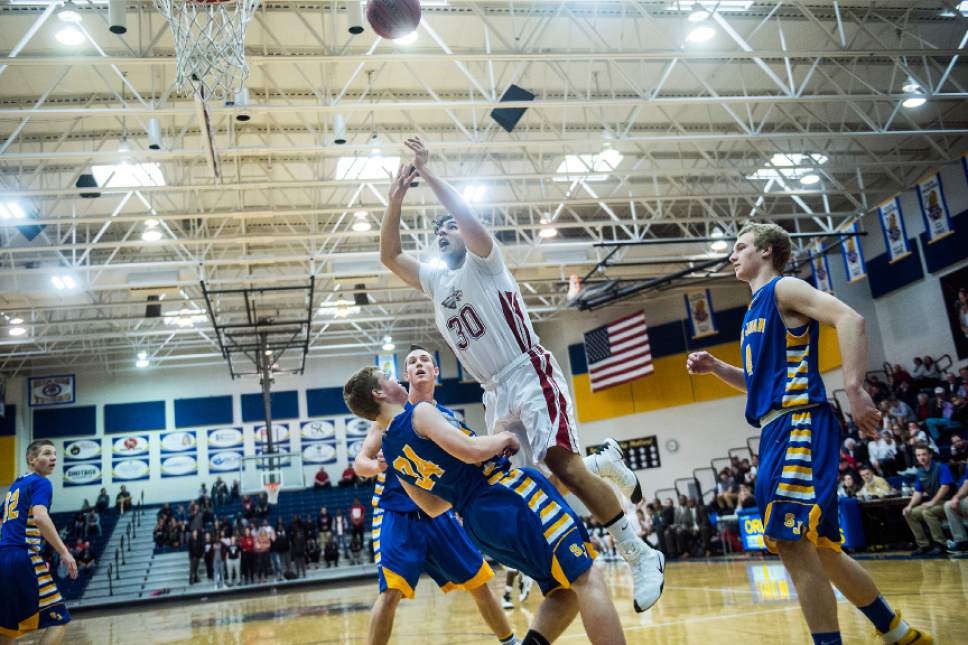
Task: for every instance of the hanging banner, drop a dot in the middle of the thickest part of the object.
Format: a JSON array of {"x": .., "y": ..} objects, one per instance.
[
  {"x": 892, "y": 225},
  {"x": 130, "y": 445},
  {"x": 51, "y": 390},
  {"x": 854, "y": 264},
  {"x": 179, "y": 466},
  {"x": 83, "y": 474},
  {"x": 224, "y": 461},
  {"x": 319, "y": 452},
  {"x": 357, "y": 427},
  {"x": 126, "y": 470},
  {"x": 222, "y": 438},
  {"x": 176, "y": 442},
  {"x": 317, "y": 430},
  {"x": 280, "y": 434},
  {"x": 318, "y": 441},
  {"x": 387, "y": 364},
  {"x": 934, "y": 208},
  {"x": 820, "y": 264},
  {"x": 699, "y": 307},
  {"x": 82, "y": 450}
]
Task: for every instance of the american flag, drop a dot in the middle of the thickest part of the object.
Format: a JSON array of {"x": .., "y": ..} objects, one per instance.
[{"x": 619, "y": 352}]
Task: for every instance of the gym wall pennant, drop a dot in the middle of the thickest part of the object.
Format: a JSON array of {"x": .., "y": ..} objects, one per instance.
[
  {"x": 699, "y": 306},
  {"x": 854, "y": 264},
  {"x": 934, "y": 208},
  {"x": 892, "y": 225},
  {"x": 821, "y": 268}
]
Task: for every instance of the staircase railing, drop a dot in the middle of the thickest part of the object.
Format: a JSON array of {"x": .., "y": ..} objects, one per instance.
[
  {"x": 110, "y": 581},
  {"x": 666, "y": 491},
  {"x": 753, "y": 444}
]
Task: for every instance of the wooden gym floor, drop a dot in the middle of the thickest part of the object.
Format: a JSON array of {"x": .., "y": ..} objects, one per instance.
[{"x": 741, "y": 602}]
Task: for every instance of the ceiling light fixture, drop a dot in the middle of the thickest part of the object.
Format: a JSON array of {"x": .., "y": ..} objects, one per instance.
[
  {"x": 810, "y": 179},
  {"x": 339, "y": 309},
  {"x": 914, "y": 101},
  {"x": 916, "y": 97},
  {"x": 700, "y": 34},
  {"x": 718, "y": 244},
  {"x": 388, "y": 345},
  {"x": 16, "y": 321},
  {"x": 12, "y": 210},
  {"x": 547, "y": 232},
  {"x": 698, "y": 13},
  {"x": 151, "y": 235},
  {"x": 142, "y": 363},
  {"x": 17, "y": 331},
  {"x": 268, "y": 352},
  {"x": 62, "y": 282},
  {"x": 361, "y": 225},
  {"x": 69, "y": 33},
  {"x": 474, "y": 193}
]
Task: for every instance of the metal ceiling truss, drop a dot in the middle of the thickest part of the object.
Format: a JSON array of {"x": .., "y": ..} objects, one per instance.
[{"x": 698, "y": 129}]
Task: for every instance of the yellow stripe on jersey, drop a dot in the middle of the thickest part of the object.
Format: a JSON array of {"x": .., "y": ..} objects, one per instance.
[
  {"x": 552, "y": 531},
  {"x": 801, "y": 434},
  {"x": 795, "y": 488},
  {"x": 496, "y": 477},
  {"x": 804, "y": 470},
  {"x": 537, "y": 500},
  {"x": 49, "y": 588},
  {"x": 42, "y": 580},
  {"x": 794, "y": 453},
  {"x": 549, "y": 510},
  {"x": 795, "y": 400},
  {"x": 52, "y": 600},
  {"x": 42, "y": 568},
  {"x": 376, "y": 533}
]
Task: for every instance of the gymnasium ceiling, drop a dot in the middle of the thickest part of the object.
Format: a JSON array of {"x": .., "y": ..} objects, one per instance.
[{"x": 691, "y": 142}]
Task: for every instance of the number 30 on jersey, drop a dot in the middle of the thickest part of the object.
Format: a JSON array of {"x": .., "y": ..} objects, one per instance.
[{"x": 466, "y": 324}]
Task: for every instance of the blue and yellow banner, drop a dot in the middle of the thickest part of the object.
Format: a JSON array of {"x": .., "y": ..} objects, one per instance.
[
  {"x": 892, "y": 225},
  {"x": 854, "y": 264},
  {"x": 699, "y": 308}
]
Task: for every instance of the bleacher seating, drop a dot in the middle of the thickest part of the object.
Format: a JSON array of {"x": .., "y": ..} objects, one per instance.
[
  {"x": 305, "y": 502},
  {"x": 74, "y": 589}
]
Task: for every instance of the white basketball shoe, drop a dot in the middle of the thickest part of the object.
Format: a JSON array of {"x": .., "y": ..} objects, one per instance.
[
  {"x": 609, "y": 463},
  {"x": 648, "y": 573}
]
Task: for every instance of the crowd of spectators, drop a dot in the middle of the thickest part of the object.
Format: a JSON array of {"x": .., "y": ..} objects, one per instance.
[{"x": 247, "y": 548}]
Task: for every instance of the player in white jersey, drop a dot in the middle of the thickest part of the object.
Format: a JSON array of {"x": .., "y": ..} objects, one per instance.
[{"x": 479, "y": 311}]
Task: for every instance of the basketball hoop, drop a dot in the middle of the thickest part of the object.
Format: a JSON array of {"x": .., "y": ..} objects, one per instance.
[
  {"x": 209, "y": 40},
  {"x": 272, "y": 483}
]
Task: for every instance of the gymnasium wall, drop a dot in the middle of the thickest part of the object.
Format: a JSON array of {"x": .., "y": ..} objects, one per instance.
[{"x": 909, "y": 320}]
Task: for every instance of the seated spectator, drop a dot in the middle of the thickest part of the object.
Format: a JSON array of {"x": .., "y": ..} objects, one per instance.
[
  {"x": 917, "y": 435},
  {"x": 939, "y": 421},
  {"x": 958, "y": 450},
  {"x": 746, "y": 499},
  {"x": 874, "y": 486},
  {"x": 357, "y": 518},
  {"x": 349, "y": 477},
  {"x": 356, "y": 550},
  {"x": 93, "y": 523},
  {"x": 848, "y": 487},
  {"x": 931, "y": 372},
  {"x": 248, "y": 508},
  {"x": 164, "y": 512},
  {"x": 85, "y": 561},
  {"x": 956, "y": 510},
  {"x": 727, "y": 492},
  {"x": 321, "y": 480},
  {"x": 312, "y": 551},
  {"x": 331, "y": 553},
  {"x": 103, "y": 501},
  {"x": 900, "y": 410},
  {"x": 883, "y": 454},
  {"x": 234, "y": 491},
  {"x": 931, "y": 488},
  {"x": 922, "y": 410},
  {"x": 856, "y": 451},
  {"x": 684, "y": 526},
  {"x": 79, "y": 527},
  {"x": 951, "y": 384},
  {"x": 907, "y": 393},
  {"x": 123, "y": 500},
  {"x": 899, "y": 375}
]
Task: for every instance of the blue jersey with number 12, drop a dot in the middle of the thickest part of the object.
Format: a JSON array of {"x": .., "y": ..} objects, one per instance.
[{"x": 18, "y": 528}]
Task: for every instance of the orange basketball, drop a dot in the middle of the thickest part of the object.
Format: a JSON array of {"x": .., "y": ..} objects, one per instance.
[{"x": 393, "y": 18}]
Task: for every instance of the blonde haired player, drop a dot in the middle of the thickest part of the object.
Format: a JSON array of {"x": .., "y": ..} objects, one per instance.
[
  {"x": 480, "y": 313},
  {"x": 29, "y": 599},
  {"x": 796, "y": 484}
]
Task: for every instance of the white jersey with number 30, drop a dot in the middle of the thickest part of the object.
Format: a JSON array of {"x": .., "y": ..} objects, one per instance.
[{"x": 479, "y": 311}]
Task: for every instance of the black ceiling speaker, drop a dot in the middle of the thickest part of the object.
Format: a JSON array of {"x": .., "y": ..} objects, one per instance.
[
  {"x": 153, "y": 308},
  {"x": 508, "y": 118},
  {"x": 87, "y": 181},
  {"x": 359, "y": 296}
]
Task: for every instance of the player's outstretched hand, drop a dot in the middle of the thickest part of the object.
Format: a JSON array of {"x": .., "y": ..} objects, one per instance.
[
  {"x": 420, "y": 153},
  {"x": 401, "y": 182},
  {"x": 700, "y": 363},
  {"x": 863, "y": 411},
  {"x": 71, "y": 565},
  {"x": 511, "y": 443},
  {"x": 381, "y": 462}
]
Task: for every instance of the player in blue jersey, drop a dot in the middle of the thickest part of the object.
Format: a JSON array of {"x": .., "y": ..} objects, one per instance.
[
  {"x": 514, "y": 515},
  {"x": 407, "y": 542},
  {"x": 29, "y": 599},
  {"x": 796, "y": 486}
]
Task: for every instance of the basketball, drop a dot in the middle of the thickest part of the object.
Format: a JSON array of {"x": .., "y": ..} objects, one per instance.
[{"x": 393, "y": 18}]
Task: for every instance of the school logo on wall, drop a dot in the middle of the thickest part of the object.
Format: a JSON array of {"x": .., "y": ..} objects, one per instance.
[
  {"x": 51, "y": 390},
  {"x": 317, "y": 430},
  {"x": 125, "y": 470},
  {"x": 82, "y": 450},
  {"x": 179, "y": 466},
  {"x": 179, "y": 441},
  {"x": 88, "y": 474},
  {"x": 225, "y": 438},
  {"x": 130, "y": 445},
  {"x": 319, "y": 453},
  {"x": 357, "y": 427},
  {"x": 225, "y": 461}
]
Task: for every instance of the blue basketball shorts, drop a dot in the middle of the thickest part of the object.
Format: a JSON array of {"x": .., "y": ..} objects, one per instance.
[
  {"x": 524, "y": 523},
  {"x": 29, "y": 599},
  {"x": 407, "y": 544},
  {"x": 796, "y": 485}
]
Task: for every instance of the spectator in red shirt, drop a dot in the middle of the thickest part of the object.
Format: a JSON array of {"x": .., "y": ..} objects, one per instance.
[
  {"x": 321, "y": 480},
  {"x": 348, "y": 478},
  {"x": 247, "y": 544},
  {"x": 357, "y": 518}
]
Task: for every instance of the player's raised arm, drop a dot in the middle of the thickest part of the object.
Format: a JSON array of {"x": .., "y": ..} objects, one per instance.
[
  {"x": 428, "y": 422},
  {"x": 392, "y": 256},
  {"x": 706, "y": 363},
  {"x": 797, "y": 297},
  {"x": 428, "y": 502},
  {"x": 369, "y": 462},
  {"x": 476, "y": 237},
  {"x": 49, "y": 531}
]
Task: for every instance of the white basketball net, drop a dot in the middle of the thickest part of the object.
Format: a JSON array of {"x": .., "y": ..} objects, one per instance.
[{"x": 209, "y": 44}]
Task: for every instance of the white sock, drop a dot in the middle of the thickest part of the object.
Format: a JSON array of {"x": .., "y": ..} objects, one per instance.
[
  {"x": 510, "y": 640},
  {"x": 622, "y": 532}
]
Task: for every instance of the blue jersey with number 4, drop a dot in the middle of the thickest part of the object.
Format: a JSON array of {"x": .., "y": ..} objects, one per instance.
[
  {"x": 780, "y": 364},
  {"x": 18, "y": 528}
]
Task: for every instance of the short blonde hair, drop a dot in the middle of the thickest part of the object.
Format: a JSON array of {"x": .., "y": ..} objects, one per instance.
[
  {"x": 770, "y": 236},
  {"x": 358, "y": 393}
]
